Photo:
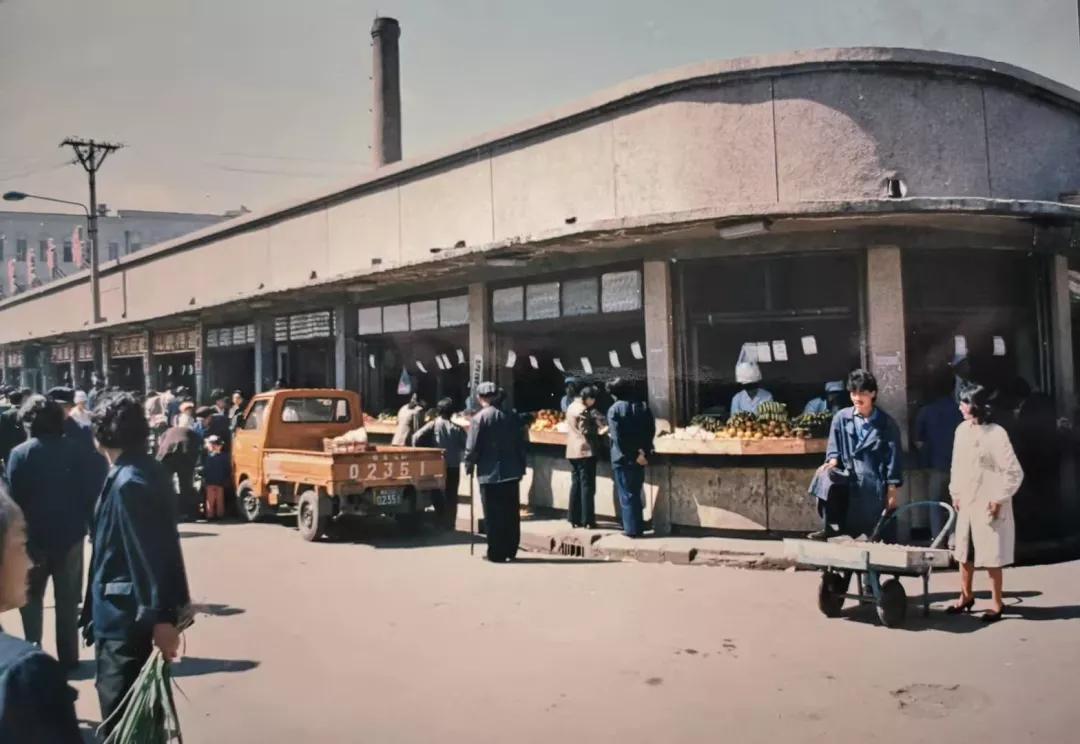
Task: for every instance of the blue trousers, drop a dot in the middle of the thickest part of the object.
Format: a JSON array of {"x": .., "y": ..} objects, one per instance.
[{"x": 629, "y": 480}]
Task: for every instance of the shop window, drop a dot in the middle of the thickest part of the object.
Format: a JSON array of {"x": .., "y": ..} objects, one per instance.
[
  {"x": 454, "y": 311},
  {"x": 67, "y": 252},
  {"x": 621, "y": 292},
  {"x": 369, "y": 321},
  {"x": 396, "y": 319},
  {"x": 581, "y": 296},
  {"x": 423, "y": 315},
  {"x": 986, "y": 306},
  {"x": 315, "y": 411},
  {"x": 43, "y": 249},
  {"x": 797, "y": 315},
  {"x": 508, "y": 305},
  {"x": 542, "y": 301}
]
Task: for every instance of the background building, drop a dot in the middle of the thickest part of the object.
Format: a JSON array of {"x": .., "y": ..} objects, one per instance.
[{"x": 127, "y": 231}]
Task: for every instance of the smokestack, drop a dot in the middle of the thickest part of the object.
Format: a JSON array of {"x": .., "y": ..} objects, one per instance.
[{"x": 387, "y": 102}]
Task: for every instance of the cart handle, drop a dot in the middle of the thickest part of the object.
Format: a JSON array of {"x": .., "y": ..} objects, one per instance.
[{"x": 941, "y": 536}]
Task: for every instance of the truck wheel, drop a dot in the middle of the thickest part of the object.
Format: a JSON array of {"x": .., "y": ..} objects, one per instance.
[
  {"x": 892, "y": 607},
  {"x": 312, "y": 515},
  {"x": 249, "y": 505}
]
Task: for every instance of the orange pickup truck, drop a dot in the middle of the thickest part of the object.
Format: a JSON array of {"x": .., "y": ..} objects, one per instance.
[{"x": 279, "y": 458}]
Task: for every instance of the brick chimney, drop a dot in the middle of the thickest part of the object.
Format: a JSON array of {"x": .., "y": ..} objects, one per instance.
[{"x": 386, "y": 106}]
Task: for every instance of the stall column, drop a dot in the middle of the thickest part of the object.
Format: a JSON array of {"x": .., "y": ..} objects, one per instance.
[
  {"x": 147, "y": 363},
  {"x": 660, "y": 365},
  {"x": 479, "y": 333},
  {"x": 346, "y": 372},
  {"x": 106, "y": 360},
  {"x": 200, "y": 378},
  {"x": 1061, "y": 347},
  {"x": 264, "y": 354},
  {"x": 885, "y": 339}
]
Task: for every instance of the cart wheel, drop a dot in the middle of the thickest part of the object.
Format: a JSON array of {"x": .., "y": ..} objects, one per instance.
[
  {"x": 831, "y": 593},
  {"x": 892, "y": 607},
  {"x": 312, "y": 516},
  {"x": 251, "y": 506}
]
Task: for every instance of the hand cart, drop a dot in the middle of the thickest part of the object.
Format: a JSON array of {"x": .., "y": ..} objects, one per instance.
[{"x": 869, "y": 560}]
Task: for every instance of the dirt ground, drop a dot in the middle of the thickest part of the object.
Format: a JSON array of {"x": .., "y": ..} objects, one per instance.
[{"x": 382, "y": 639}]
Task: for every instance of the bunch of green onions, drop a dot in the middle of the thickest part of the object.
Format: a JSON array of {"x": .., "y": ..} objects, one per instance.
[{"x": 147, "y": 714}]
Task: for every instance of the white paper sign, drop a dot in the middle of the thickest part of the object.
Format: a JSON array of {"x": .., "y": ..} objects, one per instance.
[
  {"x": 420, "y": 366},
  {"x": 809, "y": 345},
  {"x": 749, "y": 353},
  {"x": 460, "y": 356},
  {"x": 999, "y": 346},
  {"x": 764, "y": 353},
  {"x": 635, "y": 349},
  {"x": 586, "y": 365},
  {"x": 779, "y": 350},
  {"x": 439, "y": 361},
  {"x": 511, "y": 358},
  {"x": 534, "y": 362},
  {"x": 960, "y": 348},
  {"x": 446, "y": 361},
  {"x": 371, "y": 361},
  {"x": 558, "y": 364},
  {"x": 613, "y": 357}
]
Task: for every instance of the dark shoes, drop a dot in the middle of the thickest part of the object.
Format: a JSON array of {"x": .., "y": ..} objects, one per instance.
[
  {"x": 959, "y": 609},
  {"x": 991, "y": 617}
]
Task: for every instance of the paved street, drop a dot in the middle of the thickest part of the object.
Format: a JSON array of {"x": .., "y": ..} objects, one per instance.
[{"x": 382, "y": 640}]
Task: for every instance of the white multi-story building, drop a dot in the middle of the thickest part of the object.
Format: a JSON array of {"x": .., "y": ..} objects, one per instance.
[{"x": 26, "y": 234}]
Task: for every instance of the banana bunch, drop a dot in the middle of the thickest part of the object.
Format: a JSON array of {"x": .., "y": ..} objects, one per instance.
[{"x": 772, "y": 410}]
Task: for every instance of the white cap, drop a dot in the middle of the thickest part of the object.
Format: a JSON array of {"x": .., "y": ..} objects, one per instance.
[
  {"x": 80, "y": 396},
  {"x": 747, "y": 373}
]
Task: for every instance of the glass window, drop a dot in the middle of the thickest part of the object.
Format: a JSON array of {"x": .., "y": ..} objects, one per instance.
[
  {"x": 42, "y": 249},
  {"x": 67, "y": 252},
  {"x": 982, "y": 305},
  {"x": 508, "y": 304},
  {"x": 20, "y": 249},
  {"x": 542, "y": 301},
  {"x": 114, "y": 251},
  {"x": 621, "y": 292},
  {"x": 424, "y": 315},
  {"x": 396, "y": 319},
  {"x": 136, "y": 247},
  {"x": 581, "y": 296},
  {"x": 369, "y": 321},
  {"x": 454, "y": 311},
  {"x": 254, "y": 419},
  {"x": 1, "y": 246},
  {"x": 315, "y": 411},
  {"x": 805, "y": 335}
]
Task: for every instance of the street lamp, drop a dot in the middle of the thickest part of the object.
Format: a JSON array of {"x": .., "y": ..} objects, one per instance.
[{"x": 91, "y": 232}]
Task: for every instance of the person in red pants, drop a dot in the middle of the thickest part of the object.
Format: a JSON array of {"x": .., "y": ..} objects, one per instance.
[{"x": 217, "y": 470}]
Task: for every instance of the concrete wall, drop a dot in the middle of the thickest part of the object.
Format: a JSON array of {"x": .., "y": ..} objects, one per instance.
[{"x": 825, "y": 127}]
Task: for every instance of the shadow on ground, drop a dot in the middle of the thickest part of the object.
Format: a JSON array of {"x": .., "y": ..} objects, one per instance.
[
  {"x": 189, "y": 666},
  {"x": 217, "y": 610},
  {"x": 1015, "y": 609}
]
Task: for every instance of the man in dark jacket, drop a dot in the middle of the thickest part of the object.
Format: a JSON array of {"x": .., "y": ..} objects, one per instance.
[
  {"x": 137, "y": 589},
  {"x": 495, "y": 451},
  {"x": 94, "y": 466},
  {"x": 49, "y": 481},
  {"x": 443, "y": 433},
  {"x": 212, "y": 423},
  {"x": 178, "y": 451},
  {"x": 632, "y": 428},
  {"x": 11, "y": 429}
]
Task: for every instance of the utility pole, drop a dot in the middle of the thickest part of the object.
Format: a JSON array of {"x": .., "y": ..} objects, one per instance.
[{"x": 91, "y": 155}]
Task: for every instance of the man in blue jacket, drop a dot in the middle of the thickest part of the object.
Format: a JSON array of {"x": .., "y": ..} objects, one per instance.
[
  {"x": 137, "y": 588},
  {"x": 632, "y": 428},
  {"x": 495, "y": 451},
  {"x": 48, "y": 480},
  {"x": 94, "y": 466}
]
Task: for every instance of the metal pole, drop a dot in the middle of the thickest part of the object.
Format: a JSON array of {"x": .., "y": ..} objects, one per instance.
[
  {"x": 92, "y": 236},
  {"x": 472, "y": 518}
]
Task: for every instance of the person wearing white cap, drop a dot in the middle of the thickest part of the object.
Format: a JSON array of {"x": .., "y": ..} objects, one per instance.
[
  {"x": 747, "y": 400},
  {"x": 79, "y": 412}
]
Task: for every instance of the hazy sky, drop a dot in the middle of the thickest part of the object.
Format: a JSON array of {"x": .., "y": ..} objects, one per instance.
[{"x": 229, "y": 102}]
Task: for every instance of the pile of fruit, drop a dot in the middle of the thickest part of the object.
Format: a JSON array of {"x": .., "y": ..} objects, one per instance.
[
  {"x": 814, "y": 425},
  {"x": 711, "y": 424},
  {"x": 749, "y": 426},
  {"x": 772, "y": 410},
  {"x": 547, "y": 421}
]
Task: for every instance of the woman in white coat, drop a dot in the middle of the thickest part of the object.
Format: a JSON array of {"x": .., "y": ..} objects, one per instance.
[{"x": 985, "y": 475}]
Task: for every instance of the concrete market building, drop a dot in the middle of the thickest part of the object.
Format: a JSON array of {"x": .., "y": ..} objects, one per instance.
[{"x": 888, "y": 208}]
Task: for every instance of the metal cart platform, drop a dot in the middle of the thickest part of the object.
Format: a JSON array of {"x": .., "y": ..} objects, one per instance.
[{"x": 869, "y": 560}]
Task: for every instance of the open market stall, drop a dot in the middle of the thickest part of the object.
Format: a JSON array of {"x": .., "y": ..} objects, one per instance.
[
  {"x": 304, "y": 349},
  {"x": 174, "y": 359},
  {"x": 229, "y": 358}
]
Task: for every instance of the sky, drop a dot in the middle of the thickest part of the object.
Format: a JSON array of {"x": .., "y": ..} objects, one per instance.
[{"x": 223, "y": 103}]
